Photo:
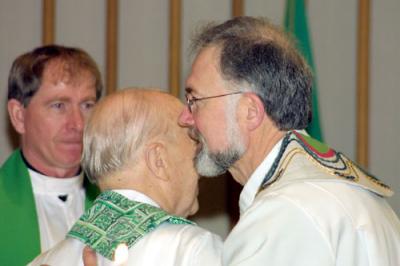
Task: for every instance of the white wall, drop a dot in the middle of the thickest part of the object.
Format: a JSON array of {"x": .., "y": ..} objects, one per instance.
[
  {"x": 143, "y": 44},
  {"x": 19, "y": 30},
  {"x": 143, "y": 61},
  {"x": 385, "y": 93}
]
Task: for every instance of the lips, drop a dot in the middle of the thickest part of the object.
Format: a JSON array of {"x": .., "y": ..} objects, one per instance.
[
  {"x": 199, "y": 148},
  {"x": 72, "y": 144},
  {"x": 194, "y": 134},
  {"x": 71, "y": 139},
  {"x": 196, "y": 137}
]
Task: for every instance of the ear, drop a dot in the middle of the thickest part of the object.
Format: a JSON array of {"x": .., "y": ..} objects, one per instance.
[
  {"x": 156, "y": 160},
  {"x": 253, "y": 110},
  {"x": 16, "y": 111}
]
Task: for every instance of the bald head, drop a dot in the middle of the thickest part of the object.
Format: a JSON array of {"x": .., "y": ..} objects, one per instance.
[{"x": 121, "y": 124}]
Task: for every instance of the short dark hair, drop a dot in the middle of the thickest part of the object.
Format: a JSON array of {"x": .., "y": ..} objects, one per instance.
[
  {"x": 27, "y": 70},
  {"x": 257, "y": 54}
]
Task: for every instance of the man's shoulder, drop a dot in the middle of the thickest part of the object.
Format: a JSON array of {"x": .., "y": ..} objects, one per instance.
[
  {"x": 179, "y": 244},
  {"x": 183, "y": 234},
  {"x": 13, "y": 162},
  {"x": 303, "y": 159},
  {"x": 181, "y": 229},
  {"x": 311, "y": 193},
  {"x": 14, "y": 175},
  {"x": 323, "y": 204}
]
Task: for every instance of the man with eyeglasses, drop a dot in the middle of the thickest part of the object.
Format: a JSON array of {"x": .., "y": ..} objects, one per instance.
[{"x": 302, "y": 203}]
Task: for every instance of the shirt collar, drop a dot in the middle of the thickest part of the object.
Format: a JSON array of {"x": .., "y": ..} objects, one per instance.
[
  {"x": 52, "y": 185},
  {"x": 136, "y": 196},
  {"x": 252, "y": 185}
]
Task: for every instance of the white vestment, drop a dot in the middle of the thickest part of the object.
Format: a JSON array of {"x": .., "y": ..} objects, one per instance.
[
  {"x": 168, "y": 244},
  {"x": 59, "y": 203},
  {"x": 308, "y": 215}
]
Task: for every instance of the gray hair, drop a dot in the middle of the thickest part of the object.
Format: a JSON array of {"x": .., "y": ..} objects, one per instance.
[
  {"x": 117, "y": 129},
  {"x": 257, "y": 55}
]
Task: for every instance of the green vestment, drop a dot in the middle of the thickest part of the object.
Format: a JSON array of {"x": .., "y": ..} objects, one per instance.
[{"x": 19, "y": 227}]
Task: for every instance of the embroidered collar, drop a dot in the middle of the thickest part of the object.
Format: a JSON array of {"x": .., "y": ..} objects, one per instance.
[
  {"x": 114, "y": 219},
  {"x": 334, "y": 166},
  {"x": 253, "y": 184}
]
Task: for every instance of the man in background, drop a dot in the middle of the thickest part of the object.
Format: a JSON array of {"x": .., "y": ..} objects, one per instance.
[
  {"x": 142, "y": 161},
  {"x": 51, "y": 91},
  {"x": 302, "y": 203}
]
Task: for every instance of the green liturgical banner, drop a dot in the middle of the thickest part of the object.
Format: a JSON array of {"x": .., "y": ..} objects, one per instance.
[{"x": 296, "y": 23}]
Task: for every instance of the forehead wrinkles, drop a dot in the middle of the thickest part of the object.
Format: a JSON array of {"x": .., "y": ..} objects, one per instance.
[
  {"x": 206, "y": 76},
  {"x": 68, "y": 72},
  {"x": 171, "y": 111}
]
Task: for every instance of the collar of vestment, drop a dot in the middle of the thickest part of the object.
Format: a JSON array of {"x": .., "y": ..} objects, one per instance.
[
  {"x": 252, "y": 185},
  {"x": 52, "y": 185},
  {"x": 114, "y": 219},
  {"x": 302, "y": 158}
]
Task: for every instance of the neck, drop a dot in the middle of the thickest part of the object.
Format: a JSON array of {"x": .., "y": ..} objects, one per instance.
[
  {"x": 260, "y": 144},
  {"x": 36, "y": 166},
  {"x": 134, "y": 178}
]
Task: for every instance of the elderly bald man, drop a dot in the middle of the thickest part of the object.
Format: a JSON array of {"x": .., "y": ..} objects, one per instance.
[{"x": 140, "y": 158}]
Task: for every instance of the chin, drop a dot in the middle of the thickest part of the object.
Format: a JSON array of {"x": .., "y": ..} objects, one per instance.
[
  {"x": 68, "y": 158},
  {"x": 72, "y": 163}
]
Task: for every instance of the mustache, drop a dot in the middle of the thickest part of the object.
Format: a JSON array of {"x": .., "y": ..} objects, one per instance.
[{"x": 199, "y": 139}]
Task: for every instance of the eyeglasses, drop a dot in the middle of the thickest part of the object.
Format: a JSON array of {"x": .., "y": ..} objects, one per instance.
[{"x": 192, "y": 100}]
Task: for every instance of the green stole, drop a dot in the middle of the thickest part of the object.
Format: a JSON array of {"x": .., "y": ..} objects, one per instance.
[
  {"x": 114, "y": 219},
  {"x": 19, "y": 226}
]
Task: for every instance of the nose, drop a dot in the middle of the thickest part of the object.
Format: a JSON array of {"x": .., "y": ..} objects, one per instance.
[
  {"x": 76, "y": 120},
  {"x": 186, "y": 118}
]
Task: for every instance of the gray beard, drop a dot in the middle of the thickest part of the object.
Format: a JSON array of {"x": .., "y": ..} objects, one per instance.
[{"x": 213, "y": 164}]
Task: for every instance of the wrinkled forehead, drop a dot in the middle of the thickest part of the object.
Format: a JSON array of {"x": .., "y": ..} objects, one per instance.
[
  {"x": 67, "y": 71},
  {"x": 205, "y": 77},
  {"x": 167, "y": 113}
]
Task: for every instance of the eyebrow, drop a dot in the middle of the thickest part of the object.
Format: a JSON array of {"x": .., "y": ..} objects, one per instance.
[
  {"x": 57, "y": 99},
  {"x": 68, "y": 99},
  {"x": 89, "y": 98}
]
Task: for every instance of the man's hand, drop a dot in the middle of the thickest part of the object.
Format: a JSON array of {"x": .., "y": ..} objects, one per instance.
[{"x": 89, "y": 257}]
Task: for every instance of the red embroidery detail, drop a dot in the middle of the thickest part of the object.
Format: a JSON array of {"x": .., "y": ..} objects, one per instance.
[{"x": 327, "y": 154}]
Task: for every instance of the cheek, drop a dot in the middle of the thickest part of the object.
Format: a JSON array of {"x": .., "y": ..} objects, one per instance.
[
  {"x": 190, "y": 177},
  {"x": 38, "y": 125},
  {"x": 214, "y": 135},
  {"x": 53, "y": 127}
]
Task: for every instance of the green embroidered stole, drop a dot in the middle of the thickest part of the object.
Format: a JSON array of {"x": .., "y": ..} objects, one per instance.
[
  {"x": 19, "y": 222},
  {"x": 114, "y": 219}
]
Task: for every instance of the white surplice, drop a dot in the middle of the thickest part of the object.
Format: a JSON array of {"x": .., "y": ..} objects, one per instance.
[
  {"x": 167, "y": 245},
  {"x": 55, "y": 215}
]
